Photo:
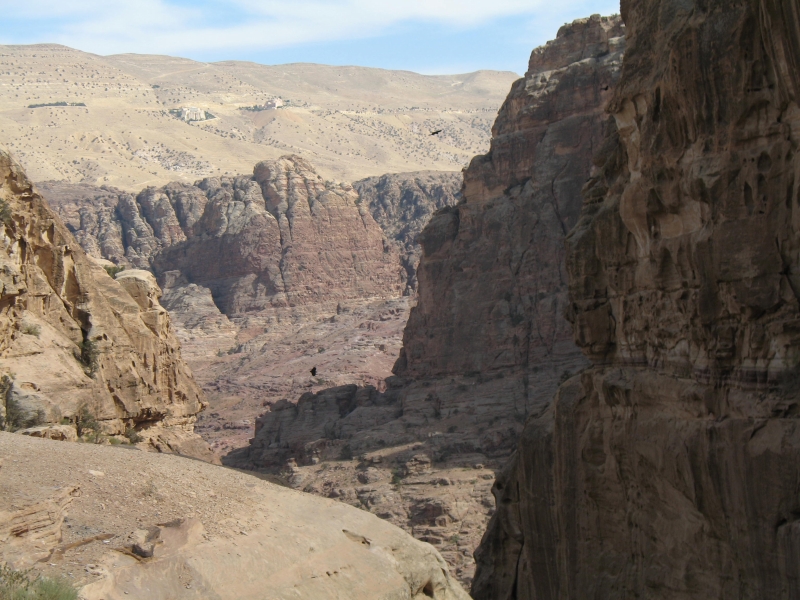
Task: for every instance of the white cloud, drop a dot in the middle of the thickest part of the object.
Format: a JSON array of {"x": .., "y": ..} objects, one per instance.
[{"x": 163, "y": 26}]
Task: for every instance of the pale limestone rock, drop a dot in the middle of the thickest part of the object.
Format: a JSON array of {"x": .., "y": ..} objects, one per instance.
[{"x": 66, "y": 433}]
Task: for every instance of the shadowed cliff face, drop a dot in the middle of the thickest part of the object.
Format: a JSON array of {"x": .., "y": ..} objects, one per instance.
[
  {"x": 402, "y": 204},
  {"x": 487, "y": 344},
  {"x": 72, "y": 337},
  {"x": 667, "y": 470},
  {"x": 492, "y": 280}
]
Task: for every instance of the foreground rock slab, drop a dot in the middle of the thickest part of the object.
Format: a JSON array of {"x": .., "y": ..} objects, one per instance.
[{"x": 130, "y": 524}]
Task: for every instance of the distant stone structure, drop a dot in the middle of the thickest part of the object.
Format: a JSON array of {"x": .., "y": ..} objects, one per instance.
[
  {"x": 273, "y": 104},
  {"x": 191, "y": 113}
]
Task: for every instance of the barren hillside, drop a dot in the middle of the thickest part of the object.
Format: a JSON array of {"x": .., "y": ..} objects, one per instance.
[{"x": 115, "y": 126}]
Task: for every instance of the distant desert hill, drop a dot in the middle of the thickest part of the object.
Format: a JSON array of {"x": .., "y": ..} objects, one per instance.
[{"x": 117, "y": 119}]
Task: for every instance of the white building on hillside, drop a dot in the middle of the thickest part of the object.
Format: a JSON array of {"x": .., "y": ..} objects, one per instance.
[{"x": 191, "y": 113}]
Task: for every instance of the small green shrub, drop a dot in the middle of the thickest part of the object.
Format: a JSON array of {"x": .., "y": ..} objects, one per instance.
[
  {"x": 25, "y": 585},
  {"x": 90, "y": 355},
  {"x": 132, "y": 435},
  {"x": 5, "y": 212},
  {"x": 397, "y": 477},
  {"x": 32, "y": 329},
  {"x": 346, "y": 453},
  {"x": 85, "y": 421},
  {"x": 113, "y": 271},
  {"x": 94, "y": 437}
]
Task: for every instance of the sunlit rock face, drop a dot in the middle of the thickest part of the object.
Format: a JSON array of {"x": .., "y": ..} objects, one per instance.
[{"x": 72, "y": 339}]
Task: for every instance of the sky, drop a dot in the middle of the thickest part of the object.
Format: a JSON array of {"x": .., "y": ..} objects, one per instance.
[{"x": 426, "y": 36}]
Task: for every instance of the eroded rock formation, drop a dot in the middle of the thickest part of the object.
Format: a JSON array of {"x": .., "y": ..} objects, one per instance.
[
  {"x": 487, "y": 344},
  {"x": 403, "y": 203},
  {"x": 666, "y": 470},
  {"x": 72, "y": 338},
  {"x": 283, "y": 237}
]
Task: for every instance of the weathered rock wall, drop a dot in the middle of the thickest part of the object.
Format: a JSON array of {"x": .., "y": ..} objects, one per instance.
[
  {"x": 281, "y": 238},
  {"x": 403, "y": 203},
  {"x": 665, "y": 470},
  {"x": 493, "y": 286},
  {"x": 487, "y": 344},
  {"x": 72, "y": 337}
]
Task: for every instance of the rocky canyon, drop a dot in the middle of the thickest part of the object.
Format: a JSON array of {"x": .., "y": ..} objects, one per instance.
[
  {"x": 568, "y": 371},
  {"x": 667, "y": 468},
  {"x": 271, "y": 274},
  {"x": 486, "y": 344},
  {"x": 87, "y": 348}
]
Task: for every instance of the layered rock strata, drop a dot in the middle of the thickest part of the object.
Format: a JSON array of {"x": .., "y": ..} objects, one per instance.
[
  {"x": 487, "y": 343},
  {"x": 666, "y": 469},
  {"x": 283, "y": 237},
  {"x": 74, "y": 341}
]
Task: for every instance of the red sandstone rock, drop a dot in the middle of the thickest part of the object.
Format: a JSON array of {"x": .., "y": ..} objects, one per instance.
[{"x": 667, "y": 469}]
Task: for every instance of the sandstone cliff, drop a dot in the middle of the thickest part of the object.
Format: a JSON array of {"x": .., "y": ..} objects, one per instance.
[
  {"x": 667, "y": 470},
  {"x": 487, "y": 344},
  {"x": 285, "y": 228},
  {"x": 72, "y": 339},
  {"x": 282, "y": 238},
  {"x": 492, "y": 279},
  {"x": 403, "y": 203}
]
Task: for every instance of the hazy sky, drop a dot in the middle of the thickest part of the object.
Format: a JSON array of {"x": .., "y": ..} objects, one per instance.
[{"x": 428, "y": 36}]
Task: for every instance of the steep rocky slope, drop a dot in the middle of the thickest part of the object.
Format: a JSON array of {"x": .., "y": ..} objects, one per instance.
[
  {"x": 125, "y": 524},
  {"x": 487, "y": 344},
  {"x": 72, "y": 338},
  {"x": 403, "y": 203},
  {"x": 668, "y": 469},
  {"x": 257, "y": 298}
]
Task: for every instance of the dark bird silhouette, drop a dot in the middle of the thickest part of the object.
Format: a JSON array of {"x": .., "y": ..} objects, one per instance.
[
  {"x": 314, "y": 371},
  {"x": 437, "y": 132}
]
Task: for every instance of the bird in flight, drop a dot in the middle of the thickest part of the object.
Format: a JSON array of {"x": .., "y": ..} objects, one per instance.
[
  {"x": 437, "y": 132},
  {"x": 314, "y": 372}
]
